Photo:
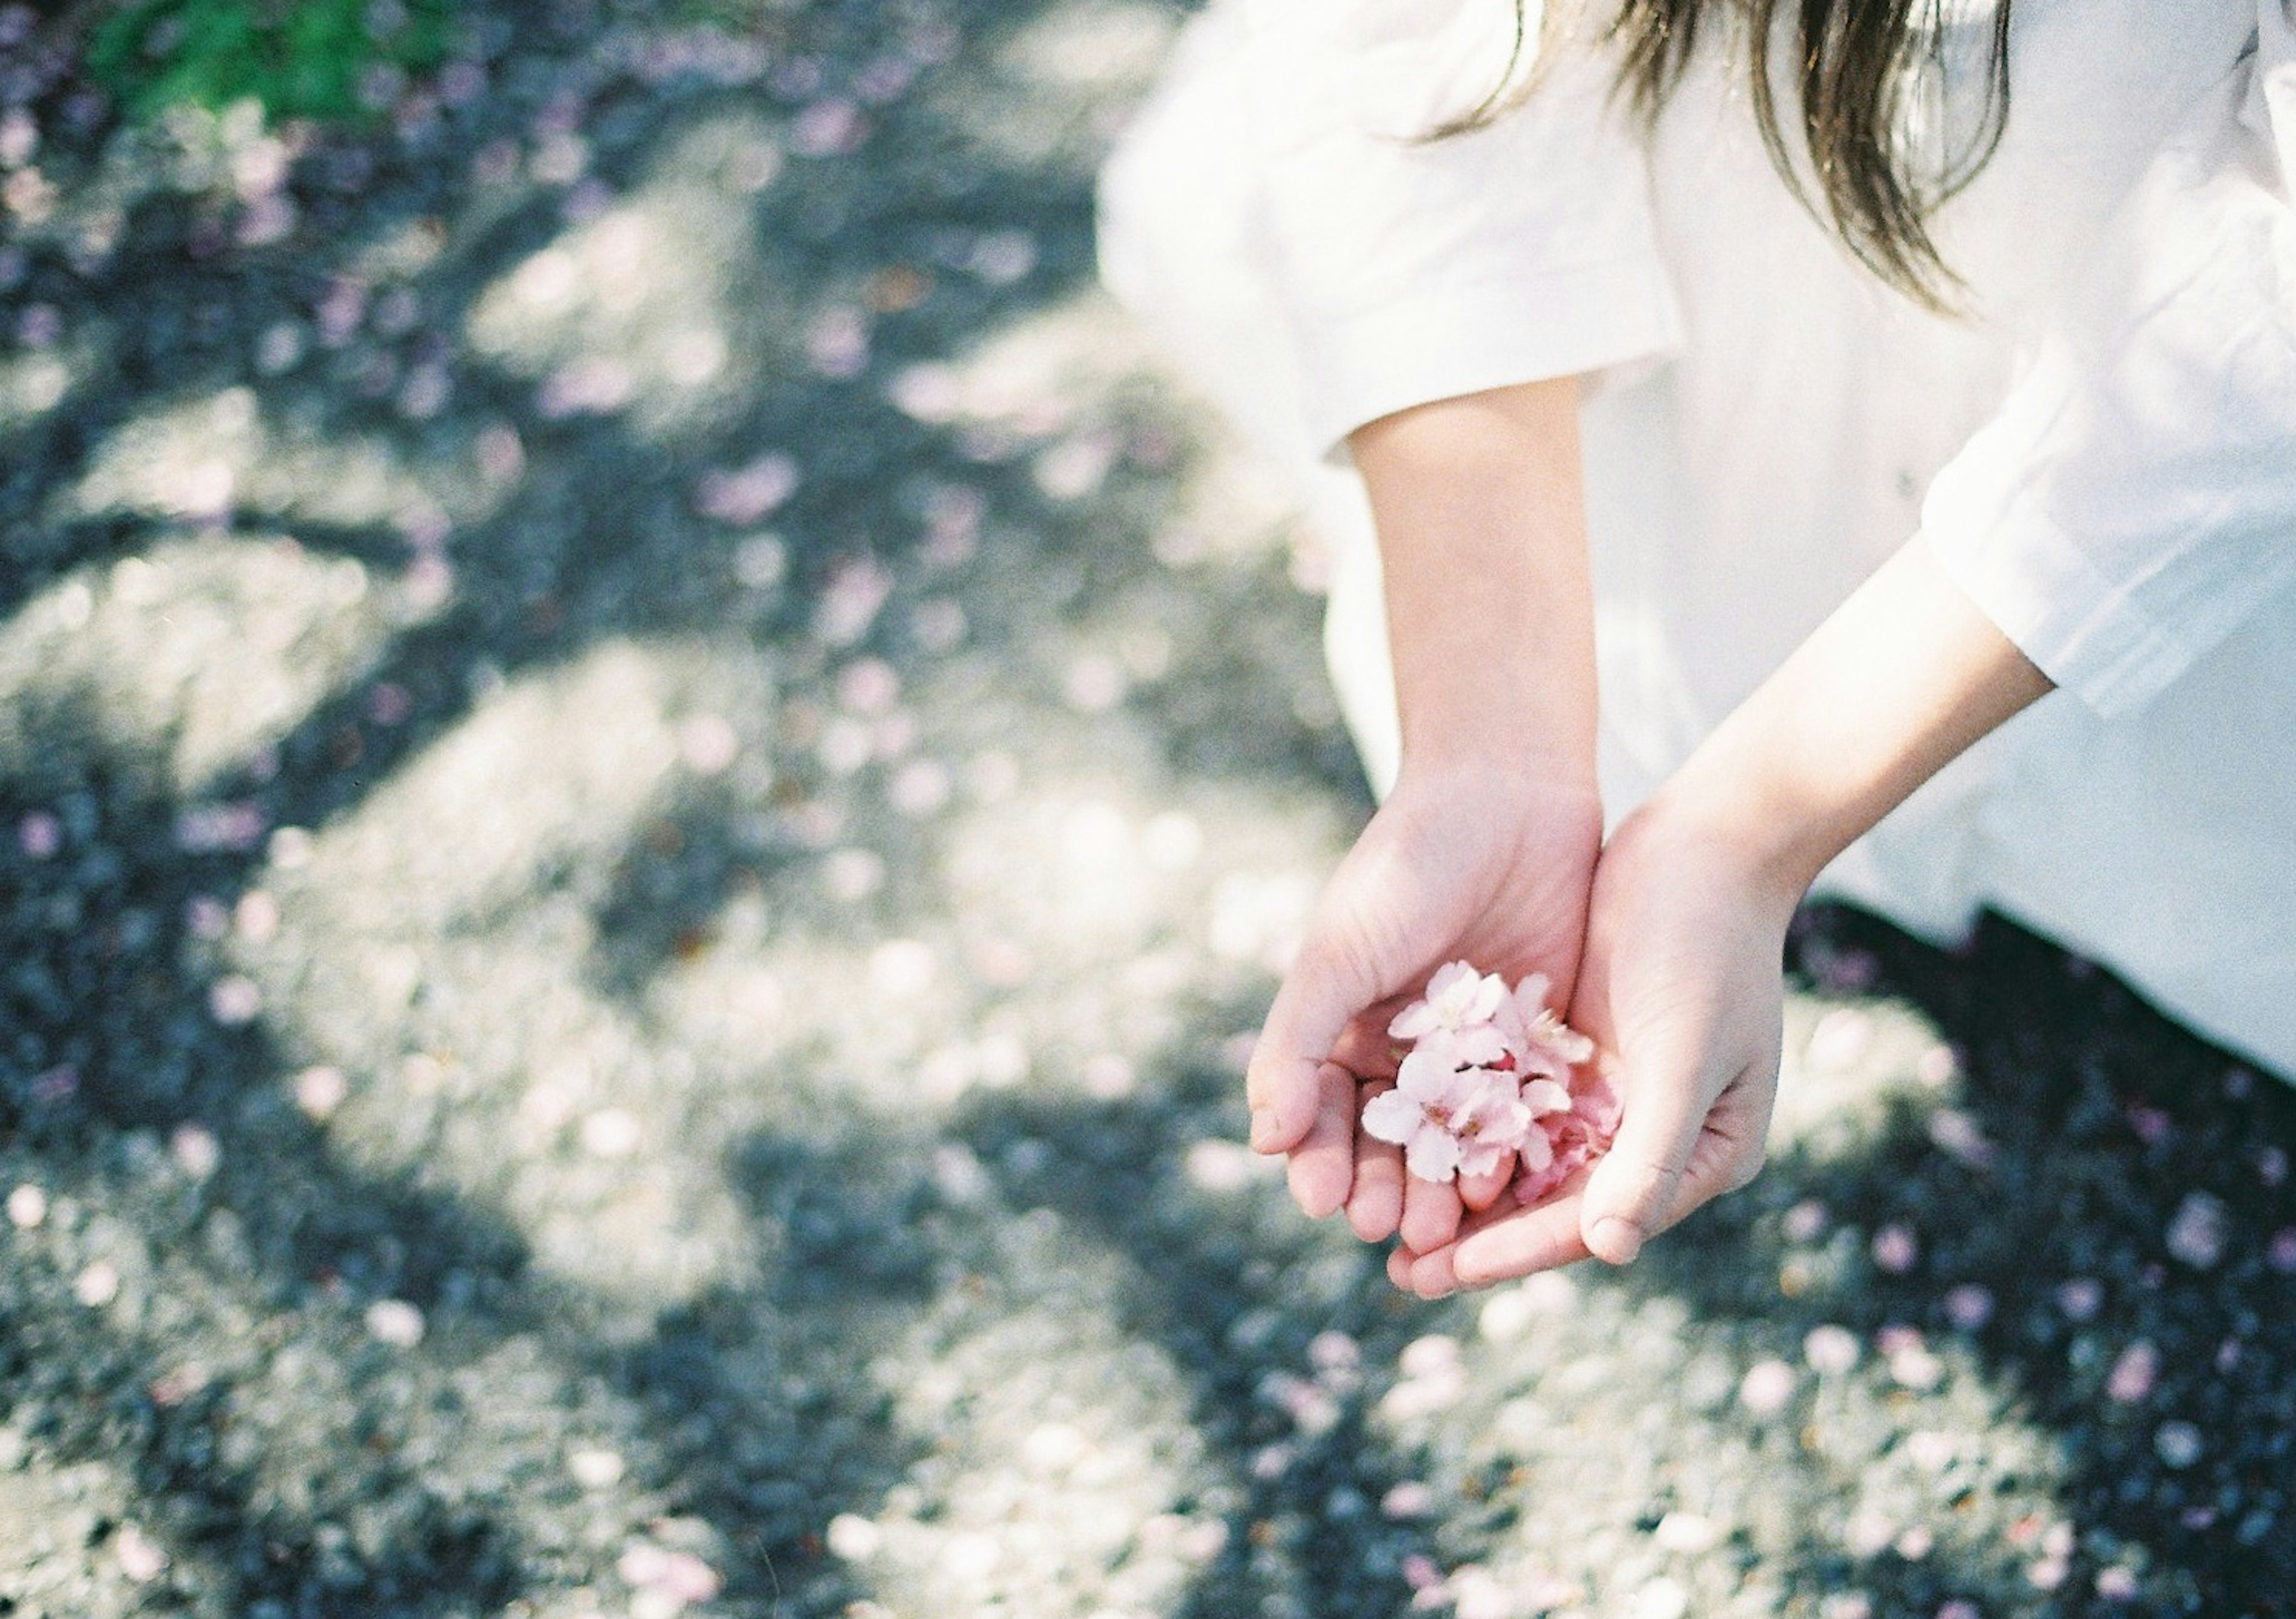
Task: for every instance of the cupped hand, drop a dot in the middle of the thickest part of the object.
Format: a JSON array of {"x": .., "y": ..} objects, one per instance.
[
  {"x": 1482, "y": 863},
  {"x": 1682, "y": 988}
]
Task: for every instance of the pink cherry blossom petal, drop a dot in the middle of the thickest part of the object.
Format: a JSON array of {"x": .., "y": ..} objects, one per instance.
[
  {"x": 1391, "y": 1116},
  {"x": 1546, "y": 1096},
  {"x": 1433, "y": 1153}
]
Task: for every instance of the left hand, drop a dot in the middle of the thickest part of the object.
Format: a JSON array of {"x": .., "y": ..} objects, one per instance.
[
  {"x": 1483, "y": 862},
  {"x": 1682, "y": 986}
]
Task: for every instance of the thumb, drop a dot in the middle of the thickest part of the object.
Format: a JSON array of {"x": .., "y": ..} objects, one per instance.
[
  {"x": 1283, "y": 1083},
  {"x": 1631, "y": 1193}
]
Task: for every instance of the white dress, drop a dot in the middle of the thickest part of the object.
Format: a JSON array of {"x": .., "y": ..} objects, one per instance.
[{"x": 2102, "y": 452}]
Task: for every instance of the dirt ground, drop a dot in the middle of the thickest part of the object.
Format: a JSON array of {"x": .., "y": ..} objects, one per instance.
[{"x": 650, "y": 773}]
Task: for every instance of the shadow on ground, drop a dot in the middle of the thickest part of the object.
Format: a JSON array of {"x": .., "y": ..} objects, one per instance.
[{"x": 643, "y": 1011}]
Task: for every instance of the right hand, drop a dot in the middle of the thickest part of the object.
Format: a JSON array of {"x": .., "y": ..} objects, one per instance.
[{"x": 1484, "y": 863}]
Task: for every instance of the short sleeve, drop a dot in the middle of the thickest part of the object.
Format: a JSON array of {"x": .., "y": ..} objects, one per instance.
[
  {"x": 2134, "y": 499},
  {"x": 1418, "y": 269}
]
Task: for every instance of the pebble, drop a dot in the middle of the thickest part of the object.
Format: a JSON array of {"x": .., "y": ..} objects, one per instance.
[
  {"x": 1055, "y": 1447},
  {"x": 1841, "y": 1037},
  {"x": 1915, "y": 1367},
  {"x": 1661, "y": 1598},
  {"x": 395, "y": 1322},
  {"x": 595, "y": 1468},
  {"x": 1969, "y": 1307},
  {"x": 1868, "y": 1533},
  {"x": 1955, "y": 1133},
  {"x": 1507, "y": 1315},
  {"x": 1767, "y": 1388},
  {"x": 1807, "y": 1221},
  {"x": 853, "y": 874},
  {"x": 195, "y": 1150},
  {"x": 1933, "y": 1452},
  {"x": 1435, "y": 1355},
  {"x": 1895, "y": 1249},
  {"x": 2134, "y": 1374},
  {"x": 320, "y": 1090},
  {"x": 1408, "y": 1501},
  {"x": 611, "y": 1133},
  {"x": 902, "y": 969},
  {"x": 680, "y": 1576},
  {"x": 1477, "y": 1593},
  {"x": 97, "y": 1286},
  {"x": 2199, "y": 1230},
  {"x": 139, "y": 1559},
  {"x": 1687, "y": 1533},
  {"x": 853, "y": 1538},
  {"x": 1223, "y": 1167},
  {"x": 234, "y": 1001},
  {"x": 2178, "y": 1444},
  {"x": 2280, "y": 1253},
  {"x": 39, "y": 835},
  {"x": 1831, "y": 1350},
  {"x": 708, "y": 744},
  {"x": 921, "y": 788}
]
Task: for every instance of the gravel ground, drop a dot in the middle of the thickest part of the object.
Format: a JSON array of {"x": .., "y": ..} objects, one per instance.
[{"x": 648, "y": 775}]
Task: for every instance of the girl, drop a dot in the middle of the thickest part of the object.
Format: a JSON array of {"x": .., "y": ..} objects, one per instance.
[{"x": 1825, "y": 384}]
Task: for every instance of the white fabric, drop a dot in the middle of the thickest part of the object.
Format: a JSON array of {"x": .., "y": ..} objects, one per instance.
[{"x": 2103, "y": 451}]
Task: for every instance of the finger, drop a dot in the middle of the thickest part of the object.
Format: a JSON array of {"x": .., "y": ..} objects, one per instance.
[
  {"x": 1431, "y": 1214},
  {"x": 1428, "y": 1275},
  {"x": 1479, "y": 1192},
  {"x": 1631, "y": 1194},
  {"x": 1284, "y": 1081},
  {"x": 1731, "y": 1148},
  {"x": 1532, "y": 1240},
  {"x": 1515, "y": 1242},
  {"x": 1323, "y": 1165},
  {"x": 1365, "y": 1047},
  {"x": 1398, "y": 1268},
  {"x": 1375, "y": 1205}
]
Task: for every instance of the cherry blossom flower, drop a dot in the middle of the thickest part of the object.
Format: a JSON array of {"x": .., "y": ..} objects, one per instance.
[
  {"x": 1573, "y": 1140},
  {"x": 1493, "y": 1074},
  {"x": 1442, "y": 1103},
  {"x": 1458, "y": 997},
  {"x": 1541, "y": 1041}
]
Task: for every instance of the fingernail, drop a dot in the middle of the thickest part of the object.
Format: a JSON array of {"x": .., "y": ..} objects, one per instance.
[
  {"x": 1617, "y": 1240},
  {"x": 1263, "y": 1127}
]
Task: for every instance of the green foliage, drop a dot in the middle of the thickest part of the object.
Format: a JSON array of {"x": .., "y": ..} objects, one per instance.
[{"x": 298, "y": 58}]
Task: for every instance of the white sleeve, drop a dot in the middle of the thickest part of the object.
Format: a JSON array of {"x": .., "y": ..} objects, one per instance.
[
  {"x": 2136, "y": 497},
  {"x": 1417, "y": 270}
]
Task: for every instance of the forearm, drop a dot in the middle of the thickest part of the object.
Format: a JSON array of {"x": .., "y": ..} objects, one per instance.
[
  {"x": 1482, "y": 541},
  {"x": 1905, "y": 675}
]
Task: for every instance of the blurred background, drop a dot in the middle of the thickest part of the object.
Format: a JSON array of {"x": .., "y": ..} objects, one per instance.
[{"x": 651, "y": 777}]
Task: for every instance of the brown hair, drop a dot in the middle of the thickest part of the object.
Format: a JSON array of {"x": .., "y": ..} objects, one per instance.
[{"x": 1855, "y": 63}]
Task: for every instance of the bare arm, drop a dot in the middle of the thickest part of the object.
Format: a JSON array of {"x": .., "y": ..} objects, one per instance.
[
  {"x": 1482, "y": 543},
  {"x": 1682, "y": 974},
  {"x": 1485, "y": 849}
]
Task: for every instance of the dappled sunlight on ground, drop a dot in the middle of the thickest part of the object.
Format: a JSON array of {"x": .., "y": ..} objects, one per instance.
[{"x": 652, "y": 775}]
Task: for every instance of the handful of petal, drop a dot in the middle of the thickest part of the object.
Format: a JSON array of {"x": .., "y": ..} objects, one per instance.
[{"x": 1493, "y": 1072}]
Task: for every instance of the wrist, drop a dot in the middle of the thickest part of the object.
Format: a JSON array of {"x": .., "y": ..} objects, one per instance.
[
  {"x": 1499, "y": 770},
  {"x": 1523, "y": 721},
  {"x": 1742, "y": 818},
  {"x": 1905, "y": 675}
]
